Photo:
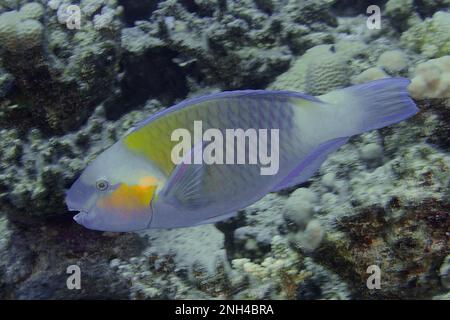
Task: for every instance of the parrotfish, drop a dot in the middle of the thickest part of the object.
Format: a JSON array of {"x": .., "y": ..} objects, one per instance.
[{"x": 135, "y": 184}]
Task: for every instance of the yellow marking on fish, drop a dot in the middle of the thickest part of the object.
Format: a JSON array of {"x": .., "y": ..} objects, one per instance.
[
  {"x": 153, "y": 140},
  {"x": 128, "y": 198}
]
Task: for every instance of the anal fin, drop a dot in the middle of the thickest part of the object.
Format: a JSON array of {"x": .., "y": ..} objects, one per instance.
[{"x": 218, "y": 218}]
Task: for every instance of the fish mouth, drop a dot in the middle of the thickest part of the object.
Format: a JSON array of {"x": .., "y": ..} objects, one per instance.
[
  {"x": 74, "y": 207},
  {"x": 80, "y": 216},
  {"x": 80, "y": 196},
  {"x": 82, "y": 212}
]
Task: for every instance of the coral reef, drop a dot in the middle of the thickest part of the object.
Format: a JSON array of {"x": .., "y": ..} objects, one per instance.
[
  {"x": 32, "y": 269},
  {"x": 317, "y": 71},
  {"x": 60, "y": 72},
  {"x": 257, "y": 38},
  {"x": 327, "y": 67},
  {"x": 280, "y": 270},
  {"x": 407, "y": 257},
  {"x": 400, "y": 225},
  {"x": 177, "y": 264},
  {"x": 429, "y": 37},
  {"x": 401, "y": 13}
]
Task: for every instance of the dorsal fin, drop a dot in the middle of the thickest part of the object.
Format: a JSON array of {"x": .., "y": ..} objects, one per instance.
[{"x": 222, "y": 95}]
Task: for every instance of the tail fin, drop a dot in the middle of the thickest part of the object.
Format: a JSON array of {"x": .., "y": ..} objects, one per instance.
[{"x": 371, "y": 105}]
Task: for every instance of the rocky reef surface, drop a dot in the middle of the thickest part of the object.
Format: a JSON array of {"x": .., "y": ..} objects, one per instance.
[{"x": 66, "y": 94}]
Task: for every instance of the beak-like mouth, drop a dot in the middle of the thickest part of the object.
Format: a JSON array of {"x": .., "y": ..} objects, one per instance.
[
  {"x": 80, "y": 217},
  {"x": 72, "y": 207},
  {"x": 80, "y": 197}
]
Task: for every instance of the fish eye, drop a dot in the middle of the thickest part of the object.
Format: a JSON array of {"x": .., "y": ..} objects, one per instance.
[{"x": 102, "y": 185}]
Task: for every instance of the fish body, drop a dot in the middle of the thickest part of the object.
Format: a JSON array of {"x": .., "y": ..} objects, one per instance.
[{"x": 135, "y": 184}]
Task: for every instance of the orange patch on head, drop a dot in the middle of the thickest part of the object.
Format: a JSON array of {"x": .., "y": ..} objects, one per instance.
[
  {"x": 128, "y": 198},
  {"x": 148, "y": 181}
]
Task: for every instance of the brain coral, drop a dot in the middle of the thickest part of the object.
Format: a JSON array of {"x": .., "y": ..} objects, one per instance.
[
  {"x": 331, "y": 73},
  {"x": 321, "y": 68}
]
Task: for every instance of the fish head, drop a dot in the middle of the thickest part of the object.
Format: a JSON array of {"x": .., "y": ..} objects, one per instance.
[{"x": 114, "y": 192}]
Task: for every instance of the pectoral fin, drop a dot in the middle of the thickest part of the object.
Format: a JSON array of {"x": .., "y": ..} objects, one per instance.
[{"x": 184, "y": 188}]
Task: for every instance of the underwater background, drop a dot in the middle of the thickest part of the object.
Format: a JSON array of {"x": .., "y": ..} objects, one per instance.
[{"x": 69, "y": 89}]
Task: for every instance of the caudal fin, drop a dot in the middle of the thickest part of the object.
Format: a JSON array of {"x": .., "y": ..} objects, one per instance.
[{"x": 371, "y": 105}]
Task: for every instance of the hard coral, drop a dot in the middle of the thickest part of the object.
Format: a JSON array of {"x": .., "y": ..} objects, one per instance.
[
  {"x": 432, "y": 79},
  {"x": 430, "y": 37}
]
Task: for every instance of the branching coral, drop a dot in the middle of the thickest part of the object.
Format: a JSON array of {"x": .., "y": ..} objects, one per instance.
[
  {"x": 430, "y": 37},
  {"x": 283, "y": 269}
]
